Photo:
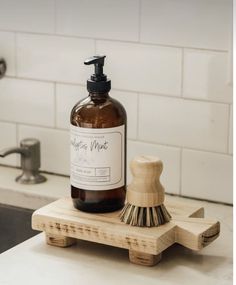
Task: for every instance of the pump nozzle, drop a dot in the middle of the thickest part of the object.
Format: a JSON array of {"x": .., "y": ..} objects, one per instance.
[
  {"x": 98, "y": 82},
  {"x": 98, "y": 61}
]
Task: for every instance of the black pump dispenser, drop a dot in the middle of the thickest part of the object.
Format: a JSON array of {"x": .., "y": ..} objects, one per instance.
[{"x": 98, "y": 82}]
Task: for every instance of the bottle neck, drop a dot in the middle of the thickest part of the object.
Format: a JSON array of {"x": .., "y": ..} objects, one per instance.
[{"x": 99, "y": 96}]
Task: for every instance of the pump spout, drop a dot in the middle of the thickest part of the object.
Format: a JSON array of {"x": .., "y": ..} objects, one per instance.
[
  {"x": 98, "y": 82},
  {"x": 98, "y": 61}
]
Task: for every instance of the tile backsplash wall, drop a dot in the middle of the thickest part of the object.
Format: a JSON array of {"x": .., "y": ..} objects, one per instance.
[{"x": 169, "y": 62}]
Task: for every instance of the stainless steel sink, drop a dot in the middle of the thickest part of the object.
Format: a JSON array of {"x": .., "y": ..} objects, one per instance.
[{"x": 15, "y": 226}]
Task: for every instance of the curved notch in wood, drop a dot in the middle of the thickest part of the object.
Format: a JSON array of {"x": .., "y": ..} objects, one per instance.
[{"x": 196, "y": 233}]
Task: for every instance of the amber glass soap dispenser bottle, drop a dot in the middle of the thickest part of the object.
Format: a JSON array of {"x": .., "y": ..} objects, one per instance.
[{"x": 98, "y": 146}]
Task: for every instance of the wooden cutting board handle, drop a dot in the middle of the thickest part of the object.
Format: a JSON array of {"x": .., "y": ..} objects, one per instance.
[{"x": 196, "y": 233}]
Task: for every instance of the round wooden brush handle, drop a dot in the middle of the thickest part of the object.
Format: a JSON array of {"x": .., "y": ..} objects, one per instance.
[{"x": 145, "y": 189}]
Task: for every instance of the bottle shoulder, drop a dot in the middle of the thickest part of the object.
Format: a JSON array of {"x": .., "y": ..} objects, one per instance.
[
  {"x": 118, "y": 104},
  {"x": 80, "y": 104},
  {"x": 88, "y": 103},
  {"x": 98, "y": 113}
]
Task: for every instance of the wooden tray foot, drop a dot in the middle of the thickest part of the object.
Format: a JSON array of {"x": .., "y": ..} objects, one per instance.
[
  {"x": 60, "y": 241},
  {"x": 142, "y": 258}
]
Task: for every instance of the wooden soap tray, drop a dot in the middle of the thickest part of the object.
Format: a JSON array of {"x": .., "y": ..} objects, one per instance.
[{"x": 63, "y": 224}]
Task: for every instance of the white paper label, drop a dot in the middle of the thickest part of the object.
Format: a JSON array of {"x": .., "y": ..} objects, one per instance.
[{"x": 97, "y": 158}]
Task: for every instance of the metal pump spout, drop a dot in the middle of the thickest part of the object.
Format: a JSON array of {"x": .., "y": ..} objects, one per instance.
[{"x": 30, "y": 161}]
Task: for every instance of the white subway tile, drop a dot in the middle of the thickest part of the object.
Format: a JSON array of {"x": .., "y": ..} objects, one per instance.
[
  {"x": 8, "y": 139},
  {"x": 53, "y": 58},
  {"x": 143, "y": 68},
  {"x": 205, "y": 76},
  {"x": 207, "y": 175},
  {"x": 55, "y": 151},
  {"x": 170, "y": 156},
  {"x": 7, "y": 51},
  {"x": 187, "y": 23},
  {"x": 108, "y": 19},
  {"x": 66, "y": 97},
  {"x": 182, "y": 122},
  {"x": 27, "y": 15},
  {"x": 130, "y": 102},
  {"x": 27, "y": 101},
  {"x": 231, "y": 130}
]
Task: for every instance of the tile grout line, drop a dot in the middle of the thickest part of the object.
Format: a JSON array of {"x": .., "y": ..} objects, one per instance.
[
  {"x": 114, "y": 40},
  {"x": 43, "y": 80},
  {"x": 35, "y": 125},
  {"x": 228, "y": 129},
  {"x": 55, "y": 104},
  {"x": 129, "y": 139},
  {"x": 212, "y": 202},
  {"x": 179, "y": 147},
  {"x": 139, "y": 20},
  {"x": 182, "y": 73},
  {"x": 118, "y": 89},
  {"x": 15, "y": 54},
  {"x": 55, "y": 17},
  {"x": 137, "y": 118}
]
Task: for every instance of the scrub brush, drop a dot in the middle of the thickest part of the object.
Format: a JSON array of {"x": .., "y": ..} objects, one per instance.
[{"x": 145, "y": 195}]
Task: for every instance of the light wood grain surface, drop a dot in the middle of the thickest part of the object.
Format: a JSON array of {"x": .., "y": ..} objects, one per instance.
[{"x": 60, "y": 220}]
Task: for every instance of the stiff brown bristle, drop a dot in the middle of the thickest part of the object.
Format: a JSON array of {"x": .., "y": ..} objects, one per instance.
[{"x": 145, "y": 217}]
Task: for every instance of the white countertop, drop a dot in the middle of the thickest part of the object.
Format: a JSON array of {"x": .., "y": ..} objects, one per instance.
[
  {"x": 31, "y": 196},
  {"x": 34, "y": 262}
]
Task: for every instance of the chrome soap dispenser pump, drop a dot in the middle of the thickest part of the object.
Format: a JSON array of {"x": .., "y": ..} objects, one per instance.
[{"x": 98, "y": 146}]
